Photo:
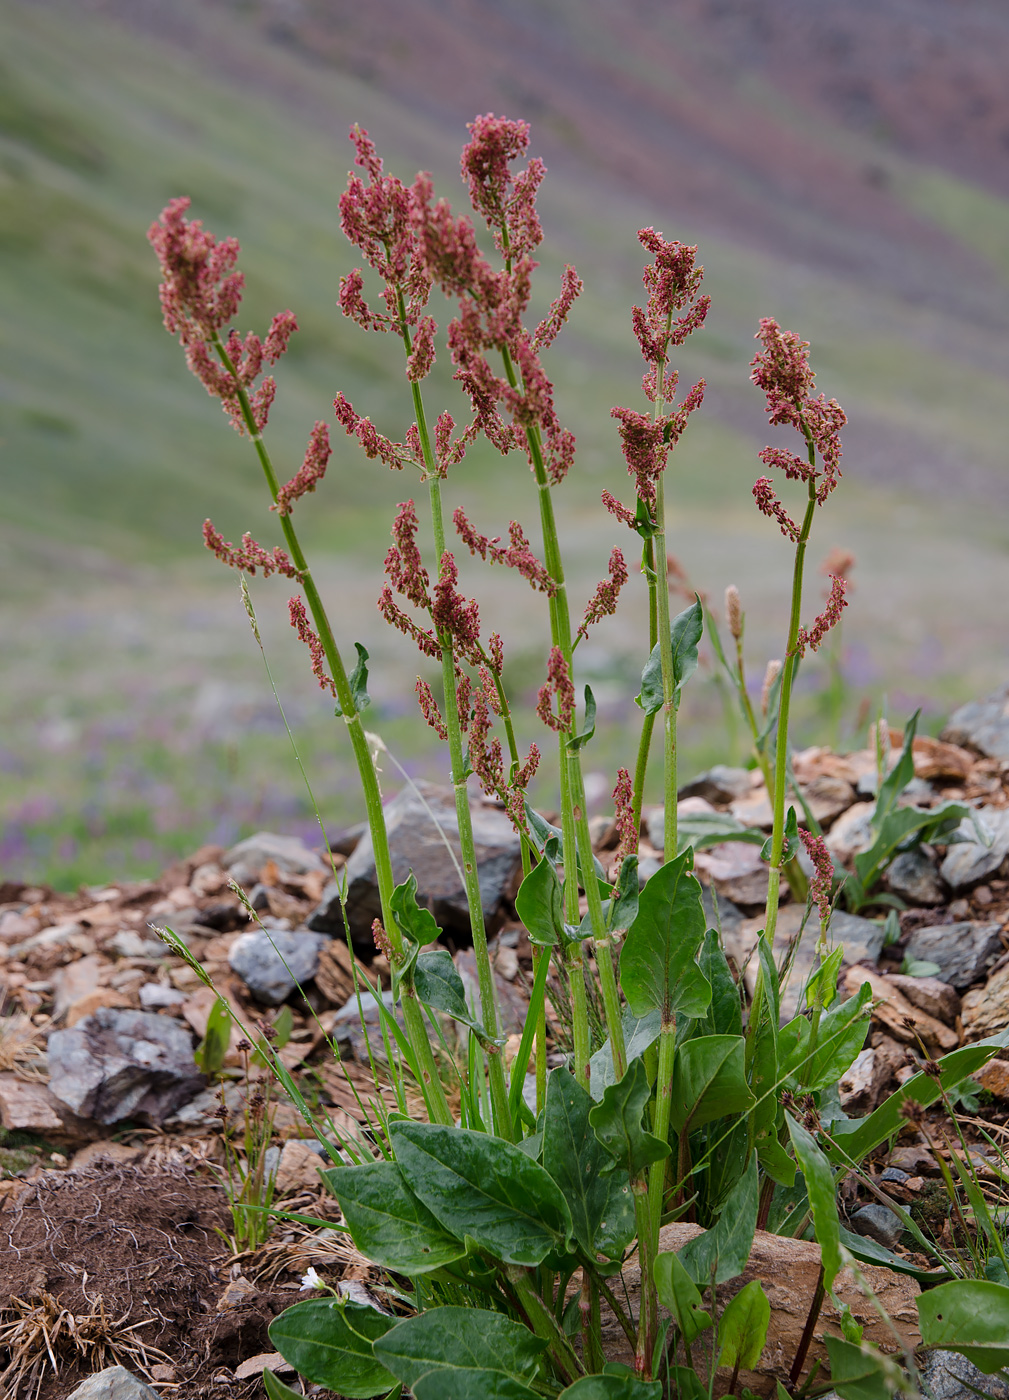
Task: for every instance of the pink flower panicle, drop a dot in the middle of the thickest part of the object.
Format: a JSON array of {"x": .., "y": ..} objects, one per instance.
[
  {"x": 823, "y": 871},
  {"x": 508, "y": 206},
  {"x": 310, "y": 473},
  {"x": 518, "y": 555},
  {"x": 421, "y": 358},
  {"x": 768, "y": 503},
  {"x": 250, "y": 556},
  {"x": 647, "y": 441},
  {"x": 836, "y": 603},
  {"x": 672, "y": 282},
  {"x": 618, "y": 510},
  {"x": 200, "y": 293},
  {"x": 403, "y": 564},
  {"x": 558, "y": 686},
  {"x": 495, "y": 650},
  {"x": 426, "y": 642},
  {"x": 429, "y": 709},
  {"x": 454, "y": 614},
  {"x": 518, "y": 783},
  {"x": 394, "y": 454},
  {"x": 623, "y": 801},
  {"x": 304, "y": 629},
  {"x": 549, "y": 328},
  {"x": 485, "y": 758},
  {"x": 603, "y": 602}
]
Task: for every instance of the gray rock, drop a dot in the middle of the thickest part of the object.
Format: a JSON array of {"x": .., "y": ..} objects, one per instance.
[
  {"x": 155, "y": 994},
  {"x": 114, "y": 1383},
  {"x": 963, "y": 952},
  {"x": 721, "y": 913},
  {"x": 982, "y": 725},
  {"x": 419, "y": 827},
  {"x": 128, "y": 944},
  {"x": 968, "y": 861},
  {"x": 877, "y": 1223},
  {"x": 914, "y": 877},
  {"x": 719, "y": 784},
  {"x": 852, "y": 832},
  {"x": 53, "y": 937},
  {"x": 117, "y": 1064},
  {"x": 936, "y": 998},
  {"x": 272, "y": 962},
  {"x": 288, "y": 853},
  {"x": 647, "y": 867},
  {"x": 949, "y": 1376},
  {"x": 862, "y": 940}
]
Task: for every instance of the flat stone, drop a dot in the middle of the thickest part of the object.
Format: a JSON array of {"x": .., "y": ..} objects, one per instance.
[
  {"x": 56, "y": 936},
  {"x": 892, "y": 1010},
  {"x": 720, "y": 784},
  {"x": 265, "y": 1361},
  {"x": 129, "y": 944},
  {"x": 754, "y": 810},
  {"x": 26, "y": 1107},
  {"x": 986, "y": 1009},
  {"x": 914, "y": 877},
  {"x": 288, "y": 853},
  {"x": 94, "y": 1001},
  {"x": 272, "y": 963},
  {"x": 75, "y": 981},
  {"x": 114, "y": 1383},
  {"x": 856, "y": 1082},
  {"x": 828, "y": 797},
  {"x": 994, "y": 1076},
  {"x": 419, "y": 827},
  {"x": 123, "y": 1064},
  {"x": 963, "y": 952},
  {"x": 298, "y": 1167},
  {"x": 950, "y": 1376},
  {"x": 736, "y": 871},
  {"x": 939, "y": 999},
  {"x": 155, "y": 994},
  {"x": 968, "y": 862},
  {"x": 862, "y": 939},
  {"x": 982, "y": 725},
  {"x": 876, "y": 1222},
  {"x": 852, "y": 832}
]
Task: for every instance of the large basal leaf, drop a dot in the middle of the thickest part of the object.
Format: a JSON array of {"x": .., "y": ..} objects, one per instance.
[
  {"x": 471, "y": 1385},
  {"x": 840, "y": 1036},
  {"x": 724, "y": 1015},
  {"x": 681, "y": 1296},
  {"x": 483, "y": 1187},
  {"x": 540, "y": 904},
  {"x": 599, "y": 1199},
  {"x": 330, "y": 1344},
  {"x": 616, "y": 1122},
  {"x": 415, "y": 923},
  {"x": 709, "y": 1081},
  {"x": 726, "y": 1246},
  {"x": 612, "y": 1388},
  {"x": 386, "y": 1220},
  {"x": 970, "y": 1316},
  {"x": 742, "y": 1329},
  {"x": 854, "y": 1144},
  {"x": 439, "y": 986},
  {"x": 459, "y": 1339},
  {"x": 870, "y": 1251},
  {"x": 658, "y": 963},
  {"x": 822, "y": 1199},
  {"x": 639, "y": 1033},
  {"x": 932, "y": 822},
  {"x": 857, "y": 1373}
]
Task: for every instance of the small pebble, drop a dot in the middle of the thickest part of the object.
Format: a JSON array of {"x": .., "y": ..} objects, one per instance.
[
  {"x": 877, "y": 1223},
  {"x": 894, "y": 1174},
  {"x": 983, "y": 895},
  {"x": 959, "y": 909}
]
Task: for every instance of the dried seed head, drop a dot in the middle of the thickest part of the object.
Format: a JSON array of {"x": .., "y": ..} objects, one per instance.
[
  {"x": 734, "y": 612},
  {"x": 770, "y": 676},
  {"x": 381, "y": 938},
  {"x": 912, "y": 1110}
]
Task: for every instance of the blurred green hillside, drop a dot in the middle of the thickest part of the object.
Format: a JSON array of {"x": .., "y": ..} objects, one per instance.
[{"x": 115, "y": 747}]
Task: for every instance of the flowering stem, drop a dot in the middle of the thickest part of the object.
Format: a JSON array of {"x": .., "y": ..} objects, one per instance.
[{"x": 431, "y": 1086}]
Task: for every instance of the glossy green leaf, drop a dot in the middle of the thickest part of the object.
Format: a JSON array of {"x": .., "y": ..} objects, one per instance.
[
  {"x": 439, "y": 986},
  {"x": 540, "y": 904},
  {"x": 822, "y": 1198},
  {"x": 612, "y": 1388},
  {"x": 484, "y": 1188},
  {"x": 415, "y": 923},
  {"x": 471, "y": 1385},
  {"x": 330, "y": 1344},
  {"x": 899, "y": 776},
  {"x": 620, "y": 910},
  {"x": 931, "y": 822},
  {"x": 358, "y": 679},
  {"x": 658, "y": 967},
  {"x": 823, "y": 982},
  {"x": 616, "y": 1122},
  {"x": 970, "y": 1316},
  {"x": 685, "y": 632},
  {"x": 680, "y": 1295},
  {"x": 703, "y": 829},
  {"x": 210, "y": 1055},
  {"x": 869, "y": 1251},
  {"x": 386, "y": 1220},
  {"x": 724, "y": 1015},
  {"x": 599, "y": 1199},
  {"x": 460, "y": 1339},
  {"x": 791, "y": 840},
  {"x": 840, "y": 1036},
  {"x": 742, "y": 1329},
  {"x": 857, "y": 1373},
  {"x": 726, "y": 1246},
  {"x": 640, "y": 1032},
  {"x": 709, "y": 1081},
  {"x": 580, "y": 740},
  {"x": 277, "y": 1390}
]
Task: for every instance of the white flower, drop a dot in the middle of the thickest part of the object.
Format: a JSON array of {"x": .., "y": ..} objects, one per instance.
[{"x": 311, "y": 1280}]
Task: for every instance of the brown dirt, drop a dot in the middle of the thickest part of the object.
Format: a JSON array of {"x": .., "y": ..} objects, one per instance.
[{"x": 140, "y": 1241}]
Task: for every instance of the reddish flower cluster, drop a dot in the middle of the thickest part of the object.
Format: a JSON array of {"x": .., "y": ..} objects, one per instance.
[
  {"x": 394, "y": 454},
  {"x": 618, "y": 510},
  {"x": 603, "y": 602},
  {"x": 647, "y": 441},
  {"x": 518, "y": 555},
  {"x": 673, "y": 281},
  {"x": 310, "y": 473},
  {"x": 429, "y": 709},
  {"x": 782, "y": 370},
  {"x": 485, "y": 758},
  {"x": 836, "y": 603},
  {"x": 507, "y": 205},
  {"x": 559, "y": 686},
  {"x": 200, "y": 294},
  {"x": 823, "y": 871},
  {"x": 426, "y": 641},
  {"x": 250, "y": 556},
  {"x": 549, "y": 328},
  {"x": 403, "y": 563},
  {"x": 304, "y": 629},
  {"x": 623, "y": 804},
  {"x": 454, "y": 614}
]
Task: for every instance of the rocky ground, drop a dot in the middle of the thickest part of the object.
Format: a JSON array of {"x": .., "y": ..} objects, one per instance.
[{"x": 112, "y": 1151}]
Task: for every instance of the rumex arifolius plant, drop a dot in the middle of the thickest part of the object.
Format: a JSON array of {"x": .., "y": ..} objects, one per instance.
[{"x": 506, "y": 1228}]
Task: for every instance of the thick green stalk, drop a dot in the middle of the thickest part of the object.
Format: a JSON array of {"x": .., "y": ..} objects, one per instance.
[
  {"x": 648, "y": 1313},
  {"x": 668, "y": 681},
  {"x": 648, "y": 722},
  {"x": 543, "y": 1323},
  {"x": 660, "y": 1123},
  {"x": 431, "y": 1086}
]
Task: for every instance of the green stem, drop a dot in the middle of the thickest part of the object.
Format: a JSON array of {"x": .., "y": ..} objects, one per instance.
[
  {"x": 660, "y": 1123},
  {"x": 431, "y": 1086},
  {"x": 543, "y": 1323},
  {"x": 648, "y": 1316},
  {"x": 648, "y": 723},
  {"x": 668, "y": 680}
]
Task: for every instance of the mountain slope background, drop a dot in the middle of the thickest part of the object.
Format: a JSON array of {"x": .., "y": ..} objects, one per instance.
[{"x": 844, "y": 168}]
